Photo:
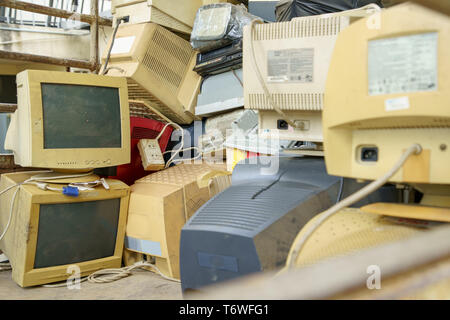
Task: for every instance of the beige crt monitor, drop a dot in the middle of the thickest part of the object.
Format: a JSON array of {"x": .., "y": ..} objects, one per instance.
[
  {"x": 158, "y": 66},
  {"x": 293, "y": 59},
  {"x": 387, "y": 89},
  {"x": 69, "y": 120},
  {"x": 51, "y": 232},
  {"x": 178, "y": 15}
]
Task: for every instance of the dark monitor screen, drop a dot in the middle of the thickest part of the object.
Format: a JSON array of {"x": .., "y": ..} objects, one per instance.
[
  {"x": 8, "y": 90},
  {"x": 70, "y": 233},
  {"x": 80, "y": 116}
]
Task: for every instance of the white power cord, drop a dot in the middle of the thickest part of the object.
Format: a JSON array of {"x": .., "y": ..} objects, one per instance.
[
  {"x": 200, "y": 154},
  {"x": 110, "y": 275},
  {"x": 33, "y": 181},
  {"x": 299, "y": 242},
  {"x": 164, "y": 129},
  {"x": 182, "y": 141},
  {"x": 114, "y": 274},
  {"x": 11, "y": 207},
  {"x": 172, "y": 158},
  {"x": 262, "y": 82}
]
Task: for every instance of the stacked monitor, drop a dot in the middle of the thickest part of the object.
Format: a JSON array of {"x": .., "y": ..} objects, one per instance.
[
  {"x": 292, "y": 59},
  {"x": 386, "y": 95},
  {"x": 71, "y": 123},
  {"x": 389, "y": 91},
  {"x": 386, "y": 89},
  {"x": 158, "y": 66},
  {"x": 54, "y": 235},
  {"x": 178, "y": 15},
  {"x": 61, "y": 123}
]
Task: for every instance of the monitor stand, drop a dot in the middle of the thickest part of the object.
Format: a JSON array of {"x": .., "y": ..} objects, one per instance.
[{"x": 434, "y": 206}]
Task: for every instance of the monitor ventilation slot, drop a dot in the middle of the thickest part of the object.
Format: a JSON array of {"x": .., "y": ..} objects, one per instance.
[
  {"x": 141, "y": 110},
  {"x": 136, "y": 92},
  {"x": 156, "y": 60},
  {"x": 67, "y": 163},
  {"x": 243, "y": 212},
  {"x": 386, "y": 124},
  {"x": 300, "y": 28},
  {"x": 287, "y": 101}
]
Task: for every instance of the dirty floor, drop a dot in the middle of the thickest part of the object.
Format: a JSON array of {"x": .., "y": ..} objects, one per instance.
[{"x": 141, "y": 285}]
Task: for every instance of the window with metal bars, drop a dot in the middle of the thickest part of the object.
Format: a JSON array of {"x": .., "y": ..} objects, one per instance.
[{"x": 20, "y": 17}]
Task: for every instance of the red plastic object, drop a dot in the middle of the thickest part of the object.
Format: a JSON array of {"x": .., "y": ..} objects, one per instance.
[{"x": 141, "y": 128}]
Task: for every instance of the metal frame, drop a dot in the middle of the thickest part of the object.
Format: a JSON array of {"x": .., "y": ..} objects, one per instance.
[{"x": 93, "y": 19}]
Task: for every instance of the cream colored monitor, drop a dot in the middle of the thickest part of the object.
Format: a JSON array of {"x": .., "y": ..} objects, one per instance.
[
  {"x": 158, "y": 66},
  {"x": 178, "y": 15},
  {"x": 51, "y": 232},
  {"x": 293, "y": 59},
  {"x": 69, "y": 120},
  {"x": 387, "y": 89}
]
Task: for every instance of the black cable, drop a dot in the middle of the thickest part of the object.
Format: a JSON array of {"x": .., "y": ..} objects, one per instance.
[
  {"x": 112, "y": 43},
  {"x": 269, "y": 186}
]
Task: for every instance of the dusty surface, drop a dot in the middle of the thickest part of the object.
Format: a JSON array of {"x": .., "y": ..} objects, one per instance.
[{"x": 140, "y": 285}]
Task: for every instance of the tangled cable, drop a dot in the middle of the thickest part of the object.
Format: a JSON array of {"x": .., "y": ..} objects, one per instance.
[
  {"x": 114, "y": 274},
  {"x": 110, "y": 275}
]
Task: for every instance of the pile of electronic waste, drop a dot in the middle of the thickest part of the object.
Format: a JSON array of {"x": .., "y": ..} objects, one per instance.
[{"x": 222, "y": 139}]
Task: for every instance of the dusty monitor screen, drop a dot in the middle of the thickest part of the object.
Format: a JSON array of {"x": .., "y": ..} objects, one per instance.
[
  {"x": 79, "y": 116},
  {"x": 76, "y": 232},
  {"x": 8, "y": 91}
]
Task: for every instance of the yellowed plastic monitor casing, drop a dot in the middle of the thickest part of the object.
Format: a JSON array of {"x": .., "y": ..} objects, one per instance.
[
  {"x": 25, "y": 135},
  {"x": 162, "y": 202},
  {"x": 352, "y": 118},
  {"x": 158, "y": 66},
  {"x": 20, "y": 242},
  {"x": 300, "y": 100},
  {"x": 178, "y": 15}
]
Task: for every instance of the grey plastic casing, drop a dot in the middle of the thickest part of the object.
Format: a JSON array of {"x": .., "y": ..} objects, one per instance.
[{"x": 250, "y": 226}]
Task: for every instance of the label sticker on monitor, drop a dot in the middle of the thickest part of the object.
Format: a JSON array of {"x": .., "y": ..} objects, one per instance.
[
  {"x": 144, "y": 246},
  {"x": 403, "y": 64},
  {"x": 216, "y": 261},
  {"x": 122, "y": 45},
  {"x": 291, "y": 65},
  {"x": 395, "y": 104}
]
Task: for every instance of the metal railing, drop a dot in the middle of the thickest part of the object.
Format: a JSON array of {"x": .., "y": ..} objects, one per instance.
[
  {"x": 20, "y": 17},
  {"x": 93, "y": 19}
]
